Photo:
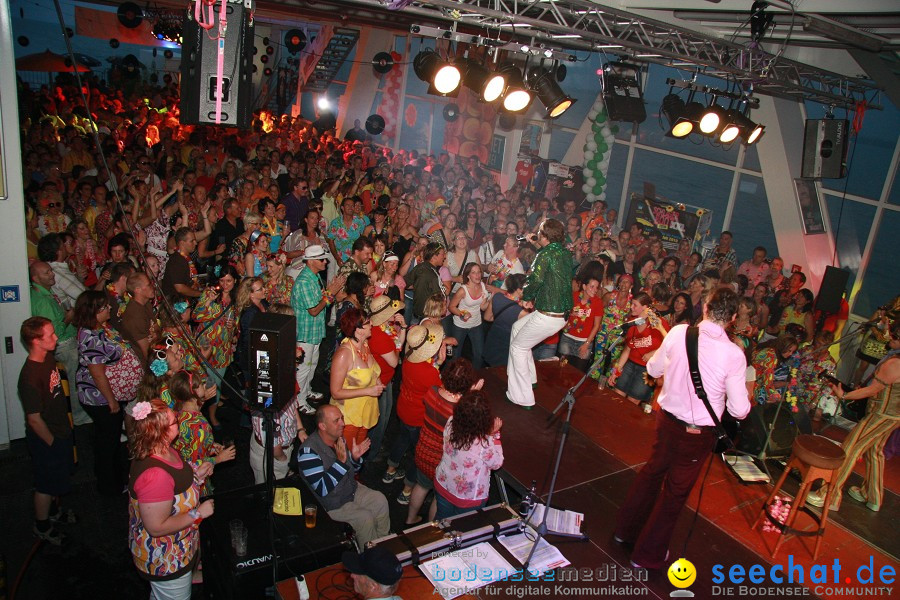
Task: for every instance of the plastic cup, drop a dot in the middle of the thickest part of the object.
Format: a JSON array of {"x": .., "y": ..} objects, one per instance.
[
  {"x": 309, "y": 512},
  {"x": 240, "y": 543},
  {"x": 234, "y": 527}
]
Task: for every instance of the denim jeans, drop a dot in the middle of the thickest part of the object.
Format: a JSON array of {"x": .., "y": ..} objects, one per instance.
[
  {"x": 385, "y": 406},
  {"x": 407, "y": 437},
  {"x": 446, "y": 509},
  {"x": 476, "y": 334}
]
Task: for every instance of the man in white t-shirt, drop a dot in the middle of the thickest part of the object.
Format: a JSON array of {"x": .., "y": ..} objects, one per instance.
[{"x": 505, "y": 262}]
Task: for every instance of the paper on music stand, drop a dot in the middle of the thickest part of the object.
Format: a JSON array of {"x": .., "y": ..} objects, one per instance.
[
  {"x": 546, "y": 558},
  {"x": 558, "y": 521},
  {"x": 461, "y": 571}
]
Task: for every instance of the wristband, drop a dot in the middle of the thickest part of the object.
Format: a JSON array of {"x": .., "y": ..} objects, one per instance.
[
  {"x": 617, "y": 371},
  {"x": 195, "y": 515}
]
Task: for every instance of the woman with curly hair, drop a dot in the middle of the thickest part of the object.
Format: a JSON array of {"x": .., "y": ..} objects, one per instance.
[
  {"x": 799, "y": 312},
  {"x": 217, "y": 318},
  {"x": 277, "y": 282},
  {"x": 458, "y": 378},
  {"x": 472, "y": 449},
  {"x": 164, "y": 509},
  {"x": 682, "y": 311}
]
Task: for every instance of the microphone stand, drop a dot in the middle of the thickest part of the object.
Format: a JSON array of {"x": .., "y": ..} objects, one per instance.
[{"x": 569, "y": 401}]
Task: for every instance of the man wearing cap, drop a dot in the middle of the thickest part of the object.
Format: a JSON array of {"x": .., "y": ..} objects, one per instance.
[
  {"x": 329, "y": 468},
  {"x": 548, "y": 290},
  {"x": 375, "y": 573},
  {"x": 309, "y": 300}
]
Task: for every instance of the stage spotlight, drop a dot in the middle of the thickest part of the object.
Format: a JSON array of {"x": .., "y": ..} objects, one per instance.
[
  {"x": 673, "y": 110},
  {"x": 711, "y": 119},
  {"x": 731, "y": 128},
  {"x": 443, "y": 77},
  {"x": 323, "y": 103},
  {"x": 544, "y": 85},
  {"x": 749, "y": 131},
  {"x": 488, "y": 85},
  {"x": 517, "y": 97}
]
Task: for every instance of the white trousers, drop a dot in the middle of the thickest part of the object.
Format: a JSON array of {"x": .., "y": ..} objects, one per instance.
[
  {"x": 307, "y": 369},
  {"x": 173, "y": 589},
  {"x": 527, "y": 333},
  {"x": 258, "y": 462}
]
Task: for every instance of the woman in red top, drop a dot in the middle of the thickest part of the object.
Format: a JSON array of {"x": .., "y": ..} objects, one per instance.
[
  {"x": 458, "y": 378},
  {"x": 425, "y": 353},
  {"x": 641, "y": 341},
  {"x": 584, "y": 323}
]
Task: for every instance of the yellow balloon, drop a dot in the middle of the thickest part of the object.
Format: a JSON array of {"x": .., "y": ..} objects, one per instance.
[{"x": 682, "y": 573}]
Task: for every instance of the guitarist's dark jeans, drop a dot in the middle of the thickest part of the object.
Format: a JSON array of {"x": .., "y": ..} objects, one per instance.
[{"x": 647, "y": 517}]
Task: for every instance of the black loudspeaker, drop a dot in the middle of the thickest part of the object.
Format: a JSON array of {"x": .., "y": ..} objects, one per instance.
[
  {"x": 622, "y": 93},
  {"x": 199, "y": 70},
  {"x": 834, "y": 284},
  {"x": 273, "y": 343},
  {"x": 825, "y": 145},
  {"x": 296, "y": 549},
  {"x": 755, "y": 428}
]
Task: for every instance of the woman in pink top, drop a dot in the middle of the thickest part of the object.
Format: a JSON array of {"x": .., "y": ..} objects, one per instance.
[{"x": 472, "y": 450}]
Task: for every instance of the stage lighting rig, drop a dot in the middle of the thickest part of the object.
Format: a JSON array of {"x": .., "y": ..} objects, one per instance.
[
  {"x": 167, "y": 27},
  {"x": 543, "y": 83},
  {"x": 487, "y": 84},
  {"x": 517, "y": 97},
  {"x": 711, "y": 121}
]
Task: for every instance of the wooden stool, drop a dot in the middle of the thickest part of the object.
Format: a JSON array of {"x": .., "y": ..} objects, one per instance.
[{"x": 816, "y": 458}]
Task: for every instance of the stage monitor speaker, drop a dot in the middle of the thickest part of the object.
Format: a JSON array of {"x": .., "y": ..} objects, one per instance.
[
  {"x": 755, "y": 429},
  {"x": 199, "y": 70},
  {"x": 825, "y": 149},
  {"x": 834, "y": 284},
  {"x": 273, "y": 347}
]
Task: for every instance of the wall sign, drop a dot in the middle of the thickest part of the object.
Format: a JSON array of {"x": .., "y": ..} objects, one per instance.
[{"x": 9, "y": 293}]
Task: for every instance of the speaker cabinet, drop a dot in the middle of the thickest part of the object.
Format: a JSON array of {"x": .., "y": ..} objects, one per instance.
[
  {"x": 273, "y": 343},
  {"x": 199, "y": 69},
  {"x": 755, "y": 429},
  {"x": 622, "y": 93},
  {"x": 834, "y": 283},
  {"x": 825, "y": 149}
]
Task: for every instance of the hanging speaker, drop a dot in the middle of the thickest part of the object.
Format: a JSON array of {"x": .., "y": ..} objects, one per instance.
[
  {"x": 825, "y": 144},
  {"x": 130, "y": 15},
  {"x": 294, "y": 40},
  {"x": 834, "y": 284},
  {"x": 383, "y": 62},
  {"x": 375, "y": 124},
  {"x": 451, "y": 112}
]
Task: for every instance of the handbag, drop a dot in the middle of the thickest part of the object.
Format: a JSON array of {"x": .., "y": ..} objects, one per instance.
[
  {"x": 723, "y": 442},
  {"x": 125, "y": 375}
]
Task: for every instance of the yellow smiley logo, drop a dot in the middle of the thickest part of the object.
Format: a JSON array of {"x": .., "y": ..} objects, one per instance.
[{"x": 682, "y": 573}]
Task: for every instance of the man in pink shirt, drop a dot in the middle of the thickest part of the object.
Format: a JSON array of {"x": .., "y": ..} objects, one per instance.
[
  {"x": 685, "y": 433},
  {"x": 756, "y": 270}
]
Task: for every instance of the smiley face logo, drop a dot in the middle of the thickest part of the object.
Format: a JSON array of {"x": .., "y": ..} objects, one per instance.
[{"x": 682, "y": 573}]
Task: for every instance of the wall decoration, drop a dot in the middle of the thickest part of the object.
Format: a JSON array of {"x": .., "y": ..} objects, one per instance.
[
  {"x": 810, "y": 206},
  {"x": 597, "y": 149}
]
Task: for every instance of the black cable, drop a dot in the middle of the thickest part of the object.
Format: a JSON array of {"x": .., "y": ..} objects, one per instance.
[{"x": 697, "y": 510}]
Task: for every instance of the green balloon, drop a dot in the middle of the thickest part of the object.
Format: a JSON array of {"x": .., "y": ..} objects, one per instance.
[
  {"x": 601, "y": 117},
  {"x": 598, "y": 188},
  {"x": 601, "y": 179},
  {"x": 602, "y": 147}
]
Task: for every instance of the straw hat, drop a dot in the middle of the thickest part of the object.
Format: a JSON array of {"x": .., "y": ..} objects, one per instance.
[
  {"x": 383, "y": 308},
  {"x": 423, "y": 342}
]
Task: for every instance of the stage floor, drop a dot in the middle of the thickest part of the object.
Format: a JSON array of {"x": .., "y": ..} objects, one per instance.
[{"x": 609, "y": 442}]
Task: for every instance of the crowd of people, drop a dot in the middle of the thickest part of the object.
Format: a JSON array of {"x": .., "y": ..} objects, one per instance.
[{"x": 151, "y": 254}]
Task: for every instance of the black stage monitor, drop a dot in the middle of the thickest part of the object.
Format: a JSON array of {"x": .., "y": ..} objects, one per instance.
[{"x": 273, "y": 342}]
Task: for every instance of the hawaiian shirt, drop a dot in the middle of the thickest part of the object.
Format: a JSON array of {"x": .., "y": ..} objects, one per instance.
[{"x": 343, "y": 236}]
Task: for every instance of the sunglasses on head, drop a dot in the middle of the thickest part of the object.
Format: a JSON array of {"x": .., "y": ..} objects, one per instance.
[{"x": 160, "y": 353}]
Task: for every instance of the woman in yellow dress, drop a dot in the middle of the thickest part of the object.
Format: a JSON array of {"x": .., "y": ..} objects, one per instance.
[{"x": 355, "y": 384}]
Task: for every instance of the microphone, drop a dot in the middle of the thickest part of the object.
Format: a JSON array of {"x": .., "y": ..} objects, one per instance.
[{"x": 626, "y": 324}]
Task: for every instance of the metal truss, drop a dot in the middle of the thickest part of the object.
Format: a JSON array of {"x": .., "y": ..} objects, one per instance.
[{"x": 586, "y": 25}]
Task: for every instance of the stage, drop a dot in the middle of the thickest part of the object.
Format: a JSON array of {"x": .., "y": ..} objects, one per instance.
[{"x": 609, "y": 442}]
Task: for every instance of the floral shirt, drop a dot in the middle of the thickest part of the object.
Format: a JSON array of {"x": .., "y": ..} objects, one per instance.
[
  {"x": 465, "y": 474},
  {"x": 195, "y": 442},
  {"x": 343, "y": 236},
  {"x": 217, "y": 329},
  {"x": 157, "y": 238},
  {"x": 102, "y": 346},
  {"x": 278, "y": 291}
]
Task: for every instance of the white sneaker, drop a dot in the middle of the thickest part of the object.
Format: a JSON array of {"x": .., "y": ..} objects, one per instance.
[
  {"x": 315, "y": 396},
  {"x": 306, "y": 409}
]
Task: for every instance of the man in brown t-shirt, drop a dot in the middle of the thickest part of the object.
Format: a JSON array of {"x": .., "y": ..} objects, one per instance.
[
  {"x": 137, "y": 320},
  {"x": 48, "y": 432}
]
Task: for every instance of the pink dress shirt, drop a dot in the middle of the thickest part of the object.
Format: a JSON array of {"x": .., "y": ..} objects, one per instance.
[{"x": 722, "y": 367}]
